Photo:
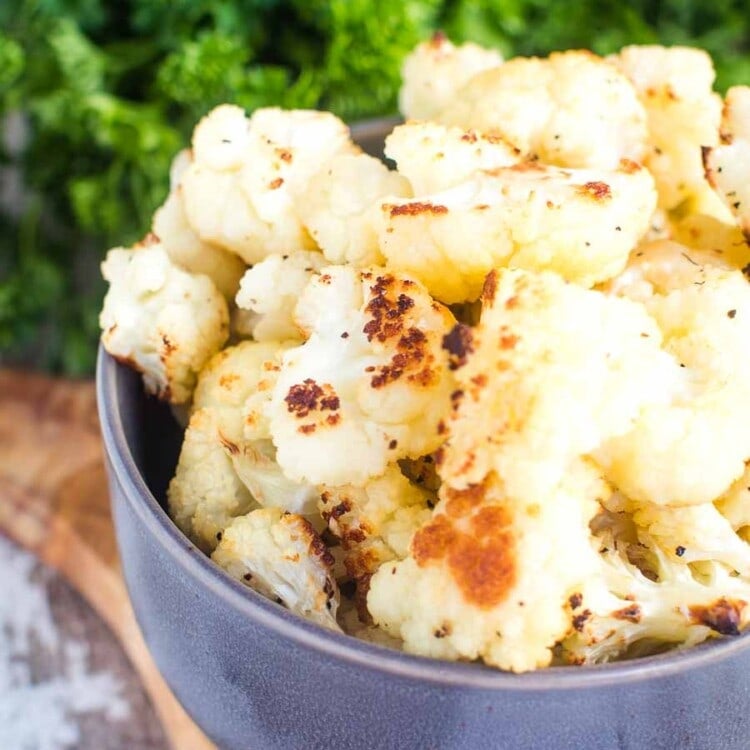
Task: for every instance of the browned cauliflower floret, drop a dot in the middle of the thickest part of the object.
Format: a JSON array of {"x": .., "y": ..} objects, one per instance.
[
  {"x": 580, "y": 223},
  {"x": 374, "y": 522},
  {"x": 281, "y": 556},
  {"x": 161, "y": 320},
  {"x": 572, "y": 109},
  {"x": 703, "y": 313},
  {"x": 436, "y": 70},
  {"x": 227, "y": 463},
  {"x": 490, "y": 574},
  {"x": 370, "y": 384},
  {"x": 727, "y": 164},
  {"x": 675, "y": 86},
  {"x": 620, "y": 611}
]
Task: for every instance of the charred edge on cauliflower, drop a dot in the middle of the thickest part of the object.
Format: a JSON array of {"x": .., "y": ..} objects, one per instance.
[
  {"x": 414, "y": 209},
  {"x": 308, "y": 396},
  {"x": 387, "y": 311},
  {"x": 458, "y": 343},
  {"x": 724, "y": 615},
  {"x": 481, "y": 560}
]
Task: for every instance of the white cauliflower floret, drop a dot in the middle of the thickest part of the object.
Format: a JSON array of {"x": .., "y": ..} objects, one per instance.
[
  {"x": 281, "y": 556},
  {"x": 580, "y": 223},
  {"x": 620, "y": 611},
  {"x": 675, "y": 86},
  {"x": 489, "y": 576},
  {"x": 374, "y": 522},
  {"x": 270, "y": 290},
  {"x": 370, "y": 384},
  {"x": 435, "y": 157},
  {"x": 183, "y": 245},
  {"x": 205, "y": 493},
  {"x": 161, "y": 320},
  {"x": 239, "y": 192},
  {"x": 727, "y": 165},
  {"x": 572, "y": 109},
  {"x": 703, "y": 312},
  {"x": 226, "y": 464},
  {"x": 520, "y": 375},
  {"x": 336, "y": 208},
  {"x": 435, "y": 70}
]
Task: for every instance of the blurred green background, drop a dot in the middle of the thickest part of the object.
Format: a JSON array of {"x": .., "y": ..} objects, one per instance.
[{"x": 97, "y": 96}]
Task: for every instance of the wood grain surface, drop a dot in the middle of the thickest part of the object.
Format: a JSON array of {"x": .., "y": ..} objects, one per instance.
[{"x": 54, "y": 502}]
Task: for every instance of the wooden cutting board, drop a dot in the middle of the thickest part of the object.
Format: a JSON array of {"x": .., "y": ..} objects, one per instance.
[{"x": 54, "y": 502}]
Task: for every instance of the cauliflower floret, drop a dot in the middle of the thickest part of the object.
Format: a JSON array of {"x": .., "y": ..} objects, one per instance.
[
  {"x": 675, "y": 86},
  {"x": 205, "y": 493},
  {"x": 370, "y": 384},
  {"x": 727, "y": 165},
  {"x": 375, "y": 522},
  {"x": 703, "y": 312},
  {"x": 696, "y": 533},
  {"x": 621, "y": 611},
  {"x": 161, "y": 320},
  {"x": 434, "y": 157},
  {"x": 183, "y": 245},
  {"x": 269, "y": 291},
  {"x": 489, "y": 576},
  {"x": 435, "y": 70},
  {"x": 226, "y": 464},
  {"x": 351, "y": 623},
  {"x": 281, "y": 556},
  {"x": 572, "y": 109},
  {"x": 239, "y": 192},
  {"x": 337, "y": 205},
  {"x": 521, "y": 384},
  {"x": 580, "y": 223}
]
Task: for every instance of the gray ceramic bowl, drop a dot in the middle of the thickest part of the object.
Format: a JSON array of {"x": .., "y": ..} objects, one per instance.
[{"x": 255, "y": 677}]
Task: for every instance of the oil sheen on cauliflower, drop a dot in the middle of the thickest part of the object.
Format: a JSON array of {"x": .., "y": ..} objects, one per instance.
[
  {"x": 226, "y": 465},
  {"x": 703, "y": 313},
  {"x": 675, "y": 86},
  {"x": 282, "y": 557},
  {"x": 161, "y": 320},
  {"x": 269, "y": 292},
  {"x": 239, "y": 192},
  {"x": 435, "y": 157},
  {"x": 370, "y": 384},
  {"x": 580, "y": 223},
  {"x": 727, "y": 165},
  {"x": 336, "y": 208},
  {"x": 435, "y": 71},
  {"x": 572, "y": 109}
]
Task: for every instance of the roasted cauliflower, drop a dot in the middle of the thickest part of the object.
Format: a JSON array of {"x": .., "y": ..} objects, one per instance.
[
  {"x": 580, "y": 223},
  {"x": 161, "y": 320},
  {"x": 369, "y": 385},
  {"x": 571, "y": 109},
  {"x": 436, "y": 70},
  {"x": 281, "y": 556}
]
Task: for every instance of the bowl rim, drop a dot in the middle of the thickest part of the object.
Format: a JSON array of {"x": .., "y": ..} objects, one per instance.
[{"x": 283, "y": 623}]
